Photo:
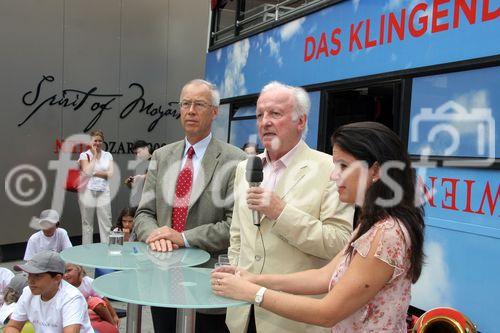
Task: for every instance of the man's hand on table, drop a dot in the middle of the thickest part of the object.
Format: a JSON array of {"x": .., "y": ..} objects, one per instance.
[{"x": 165, "y": 239}]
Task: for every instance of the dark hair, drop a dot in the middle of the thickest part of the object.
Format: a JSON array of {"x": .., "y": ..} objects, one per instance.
[
  {"x": 250, "y": 144},
  {"x": 129, "y": 211},
  {"x": 373, "y": 142},
  {"x": 54, "y": 274},
  {"x": 140, "y": 144}
]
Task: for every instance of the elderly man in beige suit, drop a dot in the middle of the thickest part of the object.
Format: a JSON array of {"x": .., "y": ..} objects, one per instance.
[
  {"x": 303, "y": 223},
  {"x": 187, "y": 197}
]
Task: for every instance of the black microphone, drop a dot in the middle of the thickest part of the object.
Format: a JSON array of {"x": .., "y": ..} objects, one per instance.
[{"x": 254, "y": 177}]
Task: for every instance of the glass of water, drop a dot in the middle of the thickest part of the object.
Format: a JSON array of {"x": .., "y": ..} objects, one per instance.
[
  {"x": 223, "y": 260},
  {"x": 115, "y": 243}
]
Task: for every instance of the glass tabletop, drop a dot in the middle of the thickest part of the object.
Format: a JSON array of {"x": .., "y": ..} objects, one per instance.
[
  {"x": 177, "y": 287},
  {"x": 134, "y": 255}
]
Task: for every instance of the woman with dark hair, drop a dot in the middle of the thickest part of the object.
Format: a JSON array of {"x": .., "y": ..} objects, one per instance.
[
  {"x": 125, "y": 222},
  {"x": 367, "y": 285},
  {"x": 251, "y": 148}
]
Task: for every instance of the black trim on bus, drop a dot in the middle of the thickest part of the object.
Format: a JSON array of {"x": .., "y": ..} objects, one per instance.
[
  {"x": 240, "y": 100},
  {"x": 397, "y": 106},
  {"x": 213, "y": 15},
  {"x": 244, "y": 118},
  {"x": 231, "y": 112},
  {"x": 323, "y": 117},
  {"x": 405, "y": 102},
  {"x": 439, "y": 161}
]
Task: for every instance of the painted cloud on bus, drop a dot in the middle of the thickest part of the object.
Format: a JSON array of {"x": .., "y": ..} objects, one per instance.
[
  {"x": 432, "y": 289},
  {"x": 234, "y": 77}
]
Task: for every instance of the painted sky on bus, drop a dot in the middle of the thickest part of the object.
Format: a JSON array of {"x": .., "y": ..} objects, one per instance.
[
  {"x": 368, "y": 39},
  {"x": 461, "y": 244}
]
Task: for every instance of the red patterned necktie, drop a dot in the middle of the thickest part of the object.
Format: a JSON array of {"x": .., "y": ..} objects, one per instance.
[{"x": 183, "y": 193}]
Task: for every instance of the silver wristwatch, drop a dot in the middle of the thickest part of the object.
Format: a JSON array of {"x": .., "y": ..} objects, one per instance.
[{"x": 259, "y": 296}]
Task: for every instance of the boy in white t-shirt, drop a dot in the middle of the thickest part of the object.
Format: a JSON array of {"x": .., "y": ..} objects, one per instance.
[
  {"x": 51, "y": 304},
  {"x": 51, "y": 237}
]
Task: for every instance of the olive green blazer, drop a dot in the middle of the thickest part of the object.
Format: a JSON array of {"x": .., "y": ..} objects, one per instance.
[{"x": 211, "y": 205}]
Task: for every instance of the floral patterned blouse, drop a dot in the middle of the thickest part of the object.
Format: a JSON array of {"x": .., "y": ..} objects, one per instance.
[{"x": 386, "y": 312}]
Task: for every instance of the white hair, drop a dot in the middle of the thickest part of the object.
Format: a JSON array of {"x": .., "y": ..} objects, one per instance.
[
  {"x": 302, "y": 103},
  {"x": 214, "y": 92}
]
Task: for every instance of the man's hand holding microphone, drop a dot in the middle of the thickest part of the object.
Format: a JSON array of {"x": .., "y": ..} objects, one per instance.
[{"x": 260, "y": 200}]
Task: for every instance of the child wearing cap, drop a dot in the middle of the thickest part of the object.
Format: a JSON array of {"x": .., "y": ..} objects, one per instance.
[
  {"x": 51, "y": 304},
  {"x": 50, "y": 237},
  {"x": 5, "y": 277},
  {"x": 11, "y": 294}
]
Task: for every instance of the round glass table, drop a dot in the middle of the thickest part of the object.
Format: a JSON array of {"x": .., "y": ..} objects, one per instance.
[
  {"x": 133, "y": 256},
  {"x": 184, "y": 288}
]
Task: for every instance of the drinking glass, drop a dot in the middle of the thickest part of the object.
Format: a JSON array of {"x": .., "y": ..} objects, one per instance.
[
  {"x": 115, "y": 243},
  {"x": 224, "y": 259}
]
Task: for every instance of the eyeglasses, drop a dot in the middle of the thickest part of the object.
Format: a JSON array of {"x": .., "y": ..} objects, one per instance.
[{"x": 197, "y": 105}]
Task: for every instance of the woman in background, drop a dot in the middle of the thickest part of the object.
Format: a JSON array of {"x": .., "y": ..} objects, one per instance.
[
  {"x": 96, "y": 164},
  {"x": 368, "y": 284}
]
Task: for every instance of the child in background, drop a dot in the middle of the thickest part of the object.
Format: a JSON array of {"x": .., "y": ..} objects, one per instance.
[
  {"x": 51, "y": 304},
  {"x": 5, "y": 277},
  {"x": 51, "y": 237},
  {"x": 125, "y": 222},
  {"x": 11, "y": 294},
  {"x": 102, "y": 315}
]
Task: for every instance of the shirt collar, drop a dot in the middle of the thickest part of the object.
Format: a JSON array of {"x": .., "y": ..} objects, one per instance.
[
  {"x": 285, "y": 159},
  {"x": 199, "y": 147}
]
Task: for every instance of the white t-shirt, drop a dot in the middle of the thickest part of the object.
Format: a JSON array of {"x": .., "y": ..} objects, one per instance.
[
  {"x": 101, "y": 165},
  {"x": 5, "y": 277},
  {"x": 86, "y": 288},
  {"x": 67, "y": 307},
  {"x": 5, "y": 311},
  {"x": 38, "y": 242}
]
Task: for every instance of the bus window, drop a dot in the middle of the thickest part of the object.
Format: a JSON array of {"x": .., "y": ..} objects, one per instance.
[
  {"x": 370, "y": 103},
  {"x": 243, "y": 125},
  {"x": 454, "y": 115}
]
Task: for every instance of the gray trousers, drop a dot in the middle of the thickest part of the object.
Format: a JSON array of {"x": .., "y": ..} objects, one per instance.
[{"x": 92, "y": 203}]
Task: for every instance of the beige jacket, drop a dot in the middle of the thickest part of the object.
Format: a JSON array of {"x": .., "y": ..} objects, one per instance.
[{"x": 312, "y": 228}]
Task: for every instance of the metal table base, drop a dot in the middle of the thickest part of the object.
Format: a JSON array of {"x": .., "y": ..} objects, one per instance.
[{"x": 134, "y": 318}]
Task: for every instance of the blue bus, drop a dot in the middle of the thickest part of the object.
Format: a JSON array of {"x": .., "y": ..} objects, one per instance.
[{"x": 427, "y": 69}]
